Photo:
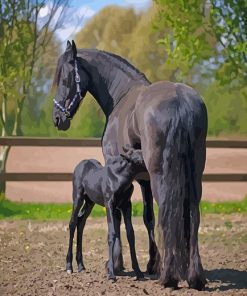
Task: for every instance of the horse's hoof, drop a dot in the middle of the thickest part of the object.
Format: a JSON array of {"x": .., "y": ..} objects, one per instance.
[
  {"x": 198, "y": 284},
  {"x": 81, "y": 267},
  {"x": 69, "y": 271},
  {"x": 151, "y": 268},
  {"x": 119, "y": 269},
  {"x": 170, "y": 283},
  {"x": 139, "y": 275}
]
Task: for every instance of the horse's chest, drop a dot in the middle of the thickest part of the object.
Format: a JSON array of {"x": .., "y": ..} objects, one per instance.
[{"x": 120, "y": 132}]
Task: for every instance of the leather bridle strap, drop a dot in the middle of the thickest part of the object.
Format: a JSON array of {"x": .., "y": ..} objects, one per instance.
[{"x": 77, "y": 95}]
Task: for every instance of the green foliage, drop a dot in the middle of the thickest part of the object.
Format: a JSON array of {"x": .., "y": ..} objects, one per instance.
[
  {"x": 228, "y": 19},
  {"x": 227, "y": 110},
  {"x": 109, "y": 30},
  {"x": 199, "y": 31},
  {"x": 27, "y": 51},
  {"x": 205, "y": 46},
  {"x": 127, "y": 34},
  {"x": 19, "y": 210},
  {"x": 2, "y": 197},
  {"x": 224, "y": 207}
]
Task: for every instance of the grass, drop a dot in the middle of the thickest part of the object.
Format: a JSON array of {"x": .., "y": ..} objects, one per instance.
[{"x": 36, "y": 211}]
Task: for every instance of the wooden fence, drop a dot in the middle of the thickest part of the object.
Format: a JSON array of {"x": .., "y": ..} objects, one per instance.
[{"x": 94, "y": 142}]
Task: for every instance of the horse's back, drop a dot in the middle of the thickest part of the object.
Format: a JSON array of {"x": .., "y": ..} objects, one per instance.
[{"x": 164, "y": 101}]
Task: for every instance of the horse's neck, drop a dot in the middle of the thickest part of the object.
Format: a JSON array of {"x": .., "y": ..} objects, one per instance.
[{"x": 109, "y": 83}]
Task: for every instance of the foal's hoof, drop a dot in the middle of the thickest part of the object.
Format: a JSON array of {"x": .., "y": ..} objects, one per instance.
[
  {"x": 197, "y": 284},
  {"x": 69, "y": 268},
  {"x": 112, "y": 278},
  {"x": 81, "y": 267},
  {"x": 69, "y": 271}
]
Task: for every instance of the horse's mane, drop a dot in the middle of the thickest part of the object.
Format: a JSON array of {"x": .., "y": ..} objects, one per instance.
[
  {"x": 114, "y": 59},
  {"x": 124, "y": 65},
  {"x": 57, "y": 72}
]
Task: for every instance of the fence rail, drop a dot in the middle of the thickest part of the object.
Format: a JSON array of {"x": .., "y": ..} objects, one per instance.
[
  {"x": 68, "y": 177},
  {"x": 96, "y": 142}
]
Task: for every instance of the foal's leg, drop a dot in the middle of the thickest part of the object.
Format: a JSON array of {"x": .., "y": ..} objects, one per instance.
[
  {"x": 110, "y": 211},
  {"x": 82, "y": 218},
  {"x": 118, "y": 256},
  {"x": 149, "y": 221},
  {"x": 77, "y": 203},
  {"x": 126, "y": 209}
]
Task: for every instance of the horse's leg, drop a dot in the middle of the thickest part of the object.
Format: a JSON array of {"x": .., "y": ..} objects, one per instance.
[
  {"x": 196, "y": 278},
  {"x": 110, "y": 212},
  {"x": 149, "y": 221},
  {"x": 126, "y": 209},
  {"x": 82, "y": 218},
  {"x": 77, "y": 203}
]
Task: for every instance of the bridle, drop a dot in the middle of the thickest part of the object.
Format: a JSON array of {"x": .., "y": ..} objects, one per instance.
[{"x": 77, "y": 95}]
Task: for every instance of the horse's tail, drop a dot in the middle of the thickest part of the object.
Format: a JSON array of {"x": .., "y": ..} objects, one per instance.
[{"x": 174, "y": 208}]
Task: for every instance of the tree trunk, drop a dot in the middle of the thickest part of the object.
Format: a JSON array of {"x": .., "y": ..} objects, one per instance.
[
  {"x": 17, "y": 125},
  {"x": 3, "y": 161}
]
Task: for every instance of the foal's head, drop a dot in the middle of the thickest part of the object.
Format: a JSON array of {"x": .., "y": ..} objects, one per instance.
[
  {"x": 129, "y": 163},
  {"x": 72, "y": 84}
]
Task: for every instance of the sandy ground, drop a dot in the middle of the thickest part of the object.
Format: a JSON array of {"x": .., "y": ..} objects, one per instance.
[
  {"x": 32, "y": 260},
  {"x": 56, "y": 159}
]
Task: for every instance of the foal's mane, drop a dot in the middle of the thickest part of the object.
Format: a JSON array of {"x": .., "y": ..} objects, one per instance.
[{"x": 112, "y": 58}]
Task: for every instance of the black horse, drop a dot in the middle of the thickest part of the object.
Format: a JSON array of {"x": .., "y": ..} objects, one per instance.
[
  {"x": 93, "y": 183},
  {"x": 168, "y": 122}
]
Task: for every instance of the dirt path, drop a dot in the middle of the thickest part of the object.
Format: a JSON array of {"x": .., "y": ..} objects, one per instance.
[
  {"x": 32, "y": 257},
  {"x": 53, "y": 159}
]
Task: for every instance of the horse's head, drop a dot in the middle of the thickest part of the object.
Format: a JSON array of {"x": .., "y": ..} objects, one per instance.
[{"x": 72, "y": 83}]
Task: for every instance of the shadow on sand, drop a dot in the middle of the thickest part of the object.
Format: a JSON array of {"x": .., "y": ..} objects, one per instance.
[
  {"x": 221, "y": 279},
  {"x": 227, "y": 279}
]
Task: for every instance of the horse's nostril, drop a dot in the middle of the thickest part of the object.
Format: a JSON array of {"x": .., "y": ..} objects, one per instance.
[{"x": 57, "y": 121}]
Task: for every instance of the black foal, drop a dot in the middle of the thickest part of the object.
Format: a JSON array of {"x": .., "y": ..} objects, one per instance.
[{"x": 93, "y": 183}]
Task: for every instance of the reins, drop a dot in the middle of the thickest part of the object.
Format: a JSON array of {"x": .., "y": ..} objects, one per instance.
[{"x": 67, "y": 110}]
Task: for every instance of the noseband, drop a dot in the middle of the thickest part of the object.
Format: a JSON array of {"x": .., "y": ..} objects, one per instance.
[{"x": 77, "y": 95}]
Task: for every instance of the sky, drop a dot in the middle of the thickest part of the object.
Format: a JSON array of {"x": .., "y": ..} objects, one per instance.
[{"x": 80, "y": 11}]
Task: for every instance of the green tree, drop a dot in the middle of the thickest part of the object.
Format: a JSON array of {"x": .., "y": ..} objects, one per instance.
[
  {"x": 212, "y": 31},
  {"x": 144, "y": 51},
  {"x": 23, "y": 41}
]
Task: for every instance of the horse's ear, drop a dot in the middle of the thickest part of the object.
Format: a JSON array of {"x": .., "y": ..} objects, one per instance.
[
  {"x": 68, "y": 47},
  {"x": 74, "y": 49},
  {"x": 71, "y": 51}
]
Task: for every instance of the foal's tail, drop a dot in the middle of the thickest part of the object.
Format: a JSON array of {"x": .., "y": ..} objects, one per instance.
[{"x": 174, "y": 208}]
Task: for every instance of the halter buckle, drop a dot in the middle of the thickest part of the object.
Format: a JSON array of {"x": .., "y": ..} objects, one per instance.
[{"x": 67, "y": 113}]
